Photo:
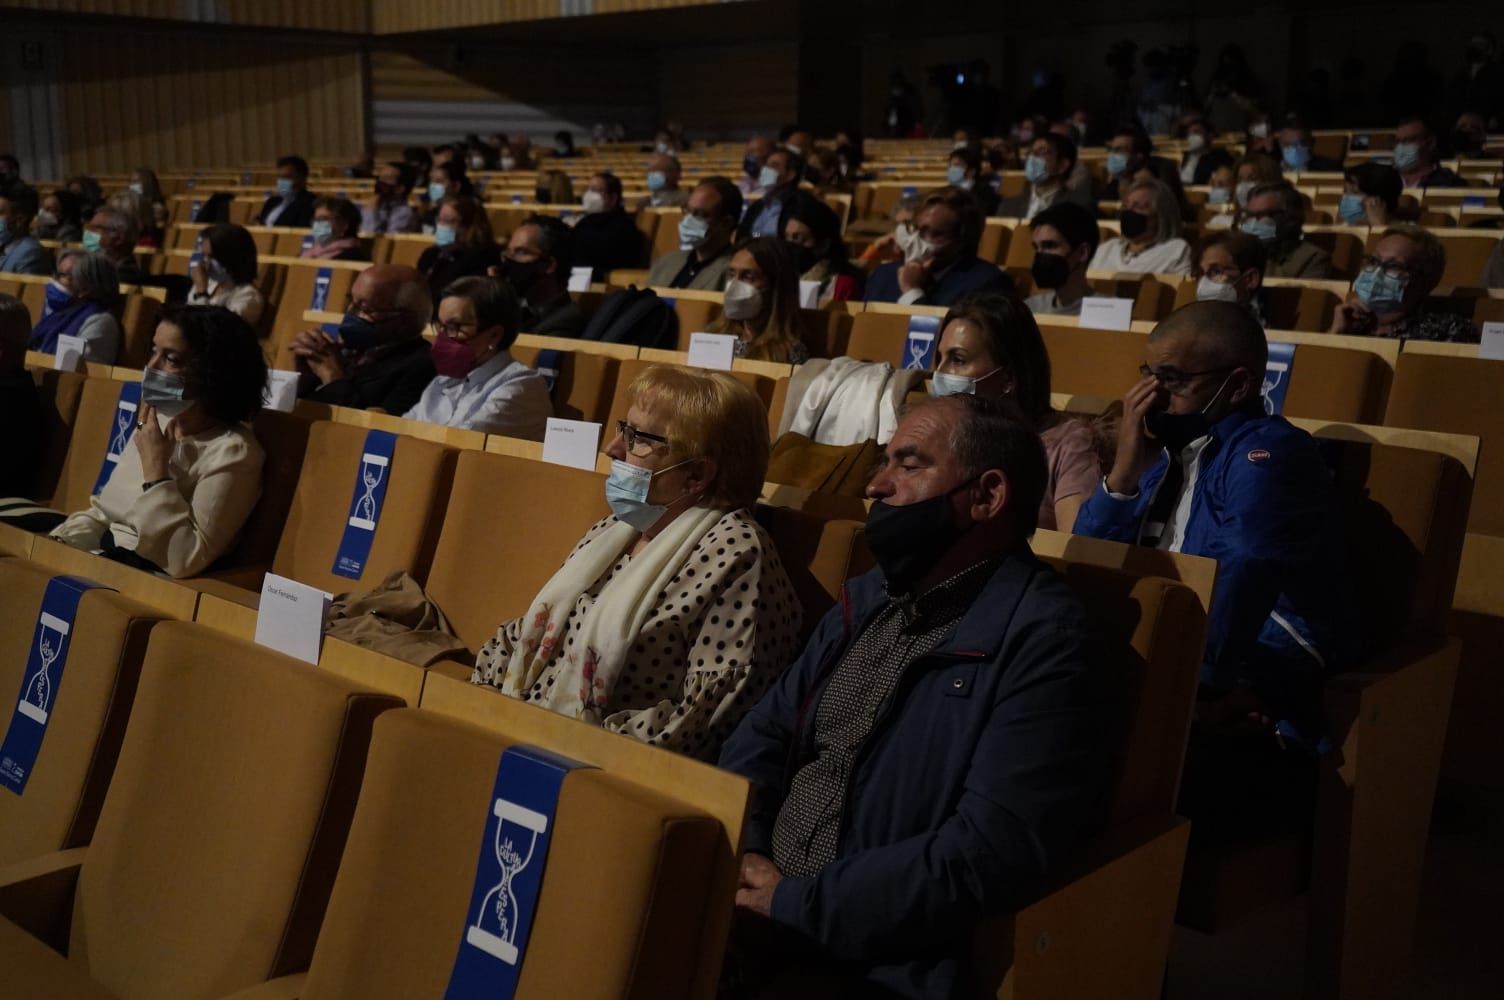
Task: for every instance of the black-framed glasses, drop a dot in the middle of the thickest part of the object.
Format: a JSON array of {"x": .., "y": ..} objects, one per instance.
[
  {"x": 1176, "y": 381},
  {"x": 633, "y": 438},
  {"x": 450, "y": 329},
  {"x": 1391, "y": 268}
]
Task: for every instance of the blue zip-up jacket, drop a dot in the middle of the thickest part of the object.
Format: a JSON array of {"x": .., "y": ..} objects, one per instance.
[
  {"x": 1282, "y": 613},
  {"x": 980, "y": 772}
]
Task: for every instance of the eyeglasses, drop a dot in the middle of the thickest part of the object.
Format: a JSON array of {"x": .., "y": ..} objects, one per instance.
[
  {"x": 449, "y": 329},
  {"x": 367, "y": 310},
  {"x": 639, "y": 443},
  {"x": 1224, "y": 274},
  {"x": 934, "y": 235},
  {"x": 1176, "y": 381},
  {"x": 1391, "y": 268}
]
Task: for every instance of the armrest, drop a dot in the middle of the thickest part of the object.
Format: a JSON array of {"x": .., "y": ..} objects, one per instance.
[
  {"x": 450, "y": 668},
  {"x": 281, "y": 988},
  {"x": 37, "y": 895}
]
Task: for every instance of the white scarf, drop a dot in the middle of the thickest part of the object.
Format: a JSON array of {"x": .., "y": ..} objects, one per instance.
[{"x": 607, "y": 630}]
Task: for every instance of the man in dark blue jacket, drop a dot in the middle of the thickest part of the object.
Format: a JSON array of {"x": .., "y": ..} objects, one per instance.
[
  {"x": 945, "y": 735},
  {"x": 1222, "y": 478},
  {"x": 945, "y": 267}
]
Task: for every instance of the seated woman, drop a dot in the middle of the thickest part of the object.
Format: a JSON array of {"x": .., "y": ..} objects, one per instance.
[
  {"x": 991, "y": 346},
  {"x": 82, "y": 299},
  {"x": 1151, "y": 243},
  {"x": 1230, "y": 268},
  {"x": 336, "y": 231},
  {"x": 814, "y": 229},
  {"x": 463, "y": 246},
  {"x": 144, "y": 182},
  {"x": 138, "y": 209},
  {"x": 480, "y": 386},
  {"x": 60, "y": 218},
  {"x": 226, "y": 273},
  {"x": 191, "y": 474},
  {"x": 762, "y": 302},
  {"x": 553, "y": 187},
  {"x": 672, "y": 615},
  {"x": 1389, "y": 297},
  {"x": 445, "y": 180},
  {"x": 1370, "y": 194}
]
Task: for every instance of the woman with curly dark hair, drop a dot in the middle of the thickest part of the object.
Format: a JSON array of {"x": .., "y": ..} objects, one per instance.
[{"x": 186, "y": 483}]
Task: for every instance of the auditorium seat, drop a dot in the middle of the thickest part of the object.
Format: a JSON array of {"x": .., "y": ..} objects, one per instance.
[
  {"x": 216, "y": 848},
  {"x": 60, "y": 394},
  {"x": 1345, "y": 244},
  {"x": 1336, "y": 383},
  {"x": 696, "y": 311},
  {"x": 87, "y": 710},
  {"x": 763, "y": 385},
  {"x": 138, "y": 324},
  {"x": 666, "y": 237},
  {"x": 300, "y": 291},
  {"x": 582, "y": 382},
  {"x": 819, "y": 554}
]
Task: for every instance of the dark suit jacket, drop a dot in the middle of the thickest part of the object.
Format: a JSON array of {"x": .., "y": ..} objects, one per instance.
[
  {"x": 608, "y": 241},
  {"x": 967, "y": 276},
  {"x": 1210, "y": 160},
  {"x": 391, "y": 377},
  {"x": 299, "y": 215}
]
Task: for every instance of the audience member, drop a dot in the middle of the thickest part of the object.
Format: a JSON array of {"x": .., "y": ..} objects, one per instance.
[
  {"x": 942, "y": 267},
  {"x": 1275, "y": 216},
  {"x": 445, "y": 180},
  {"x": 761, "y": 305},
  {"x": 1297, "y": 150},
  {"x": 825, "y": 170},
  {"x": 553, "y": 188},
  {"x": 1202, "y": 468},
  {"x": 778, "y": 181},
  {"x": 145, "y": 184},
  {"x": 678, "y": 599},
  {"x": 58, "y": 218},
  {"x": 292, "y": 205},
  {"x": 379, "y": 357},
  {"x": 663, "y": 183},
  {"x": 191, "y": 475},
  {"x": 1389, "y": 295},
  {"x": 814, "y": 229},
  {"x": 388, "y": 210},
  {"x": 1370, "y": 194},
  {"x": 462, "y": 244},
  {"x": 1470, "y": 138},
  {"x": 965, "y": 172},
  {"x": 20, "y": 405},
  {"x": 479, "y": 385},
  {"x": 10, "y": 173},
  {"x": 606, "y": 238},
  {"x": 536, "y": 264},
  {"x": 758, "y": 148},
  {"x": 1479, "y": 87},
  {"x": 1417, "y": 158},
  {"x": 225, "y": 274},
  {"x": 1200, "y": 157},
  {"x": 82, "y": 300},
  {"x": 1230, "y": 267},
  {"x": 1251, "y": 171},
  {"x": 1051, "y": 163},
  {"x": 1259, "y": 137},
  {"x": 1130, "y": 151},
  {"x": 706, "y": 230},
  {"x": 336, "y": 231},
  {"x": 888, "y": 815},
  {"x": 20, "y": 251},
  {"x": 89, "y": 194},
  {"x": 990, "y": 346},
  {"x": 1151, "y": 243},
  {"x": 564, "y": 145},
  {"x": 1065, "y": 241}
]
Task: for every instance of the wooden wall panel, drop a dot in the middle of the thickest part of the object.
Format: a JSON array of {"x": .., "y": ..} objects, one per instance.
[
  {"x": 729, "y": 91},
  {"x": 533, "y": 74},
  {"x": 317, "y": 15},
  {"x": 396, "y": 16},
  {"x": 174, "y": 100}
]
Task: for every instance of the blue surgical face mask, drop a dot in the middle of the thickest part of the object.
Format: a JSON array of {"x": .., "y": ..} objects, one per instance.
[
  {"x": 946, "y": 384},
  {"x": 1296, "y": 156},
  {"x": 692, "y": 231},
  {"x": 57, "y": 297},
  {"x": 443, "y": 236},
  {"x": 91, "y": 241},
  {"x": 955, "y": 174},
  {"x": 358, "y": 333},
  {"x": 1035, "y": 170},
  {"x": 323, "y": 230},
  {"x": 1380, "y": 293},
  {"x": 1406, "y": 155},
  {"x": 437, "y": 191},
  {"x": 166, "y": 392},
  {"x": 767, "y": 177},
  {"x": 1116, "y": 164},
  {"x": 284, "y": 187},
  {"x": 627, "y": 489},
  {"x": 1351, "y": 210},
  {"x": 657, "y": 180},
  {"x": 1261, "y": 229},
  {"x": 1218, "y": 196}
]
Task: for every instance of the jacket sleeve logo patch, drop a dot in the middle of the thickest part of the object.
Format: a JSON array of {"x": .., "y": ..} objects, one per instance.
[{"x": 1259, "y": 455}]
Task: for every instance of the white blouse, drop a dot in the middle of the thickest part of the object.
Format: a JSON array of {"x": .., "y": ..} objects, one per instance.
[{"x": 1170, "y": 257}]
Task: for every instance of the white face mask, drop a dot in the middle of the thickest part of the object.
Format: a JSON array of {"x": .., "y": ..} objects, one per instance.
[
  {"x": 137, "y": 187},
  {"x": 1195, "y": 142},
  {"x": 1243, "y": 190},
  {"x": 1208, "y": 290},
  {"x": 509, "y": 163},
  {"x": 1259, "y": 130},
  {"x": 908, "y": 241},
  {"x": 945, "y": 384},
  {"x": 593, "y": 201},
  {"x": 743, "y": 301}
]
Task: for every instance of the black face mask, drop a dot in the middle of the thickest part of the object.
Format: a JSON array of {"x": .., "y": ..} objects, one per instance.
[
  {"x": 1133, "y": 224},
  {"x": 1176, "y": 430},
  {"x": 521, "y": 276},
  {"x": 908, "y": 541},
  {"x": 806, "y": 256},
  {"x": 541, "y": 194},
  {"x": 750, "y": 166},
  {"x": 1050, "y": 270}
]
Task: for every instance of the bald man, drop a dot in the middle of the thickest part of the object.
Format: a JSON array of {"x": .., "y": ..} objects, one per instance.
[
  {"x": 1201, "y": 468},
  {"x": 378, "y": 358}
]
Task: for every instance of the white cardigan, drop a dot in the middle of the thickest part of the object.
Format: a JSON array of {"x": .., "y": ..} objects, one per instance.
[{"x": 184, "y": 524}]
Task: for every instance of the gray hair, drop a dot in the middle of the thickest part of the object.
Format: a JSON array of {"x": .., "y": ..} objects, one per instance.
[
  {"x": 1292, "y": 208},
  {"x": 1166, "y": 208},
  {"x": 120, "y": 223},
  {"x": 94, "y": 277}
]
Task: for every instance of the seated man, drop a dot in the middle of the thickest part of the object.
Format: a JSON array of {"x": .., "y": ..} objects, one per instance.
[
  {"x": 21, "y": 252},
  {"x": 536, "y": 264},
  {"x": 113, "y": 235},
  {"x": 946, "y": 267},
  {"x": 1417, "y": 158},
  {"x": 1297, "y": 150},
  {"x": 779, "y": 179},
  {"x": 1065, "y": 240},
  {"x": 1221, "y": 478},
  {"x": 1050, "y": 164},
  {"x": 1275, "y": 216},
  {"x": 706, "y": 231},
  {"x": 379, "y": 358},
  {"x": 663, "y": 183},
  {"x": 943, "y": 738},
  {"x": 605, "y": 238},
  {"x": 292, "y": 205}
]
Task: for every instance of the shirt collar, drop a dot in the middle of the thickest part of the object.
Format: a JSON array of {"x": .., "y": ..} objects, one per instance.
[
  {"x": 485, "y": 372},
  {"x": 957, "y": 589}
]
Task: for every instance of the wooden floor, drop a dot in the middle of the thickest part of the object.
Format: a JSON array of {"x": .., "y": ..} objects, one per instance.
[{"x": 1459, "y": 946}]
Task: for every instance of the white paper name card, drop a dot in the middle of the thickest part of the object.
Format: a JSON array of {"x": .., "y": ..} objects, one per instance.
[
  {"x": 579, "y": 279},
  {"x": 1099, "y": 313},
  {"x": 70, "y": 353},
  {"x": 712, "y": 350},
  {"x": 291, "y": 618},
  {"x": 809, "y": 294},
  {"x": 1491, "y": 346},
  {"x": 571, "y": 442},
  {"x": 281, "y": 390}
]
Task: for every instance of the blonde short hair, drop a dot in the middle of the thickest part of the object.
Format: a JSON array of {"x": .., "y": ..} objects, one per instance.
[
  {"x": 710, "y": 415},
  {"x": 1166, "y": 217}
]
